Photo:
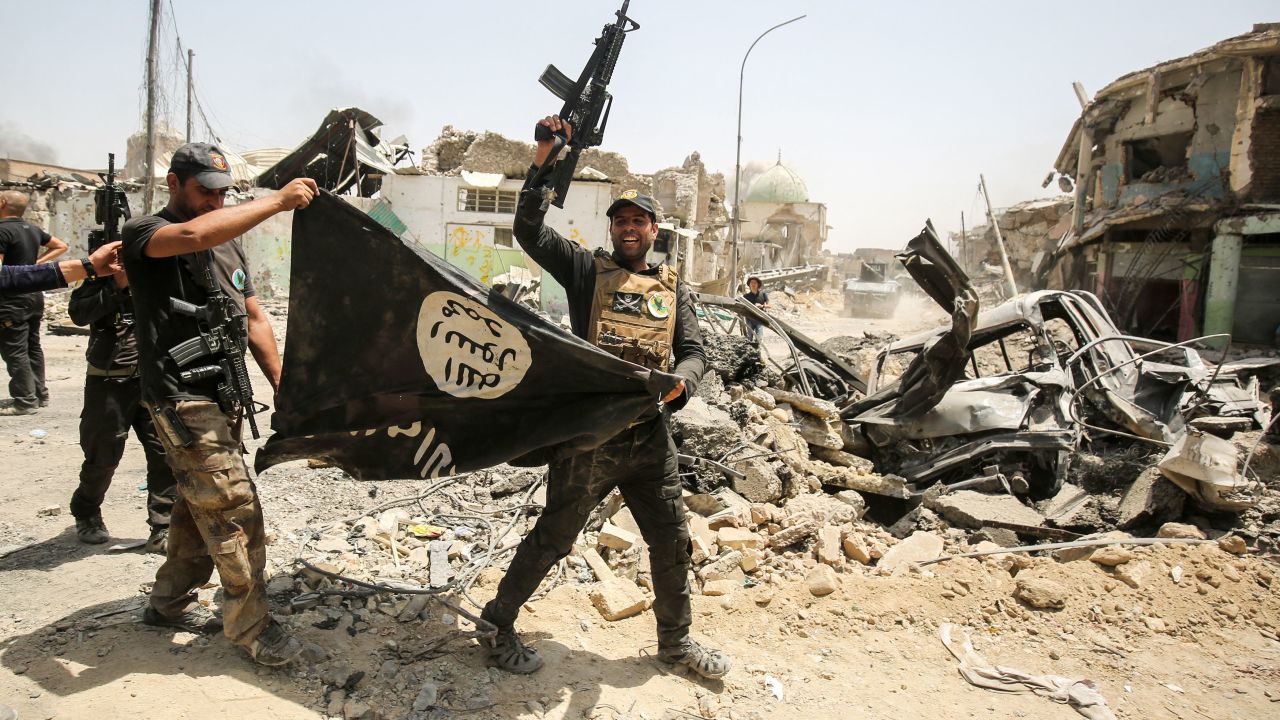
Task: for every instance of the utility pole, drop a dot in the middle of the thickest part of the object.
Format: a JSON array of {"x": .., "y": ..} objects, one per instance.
[
  {"x": 149, "y": 189},
  {"x": 1004, "y": 256},
  {"x": 1084, "y": 161},
  {"x": 191, "y": 60},
  {"x": 737, "y": 167},
  {"x": 964, "y": 243}
]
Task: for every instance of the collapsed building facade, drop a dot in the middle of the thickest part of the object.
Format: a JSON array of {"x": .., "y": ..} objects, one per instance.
[{"x": 1177, "y": 183}]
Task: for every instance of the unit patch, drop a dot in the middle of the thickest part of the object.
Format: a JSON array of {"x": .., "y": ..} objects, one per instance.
[
  {"x": 628, "y": 302},
  {"x": 658, "y": 306}
]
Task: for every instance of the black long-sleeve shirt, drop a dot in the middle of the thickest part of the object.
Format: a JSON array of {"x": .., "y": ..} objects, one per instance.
[
  {"x": 15, "y": 279},
  {"x": 108, "y": 313},
  {"x": 573, "y": 267}
]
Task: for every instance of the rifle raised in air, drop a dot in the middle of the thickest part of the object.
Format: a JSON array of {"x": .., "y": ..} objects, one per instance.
[{"x": 586, "y": 109}]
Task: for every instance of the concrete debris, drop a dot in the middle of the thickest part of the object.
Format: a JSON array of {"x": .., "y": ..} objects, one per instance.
[
  {"x": 1150, "y": 500},
  {"x": 920, "y": 546},
  {"x": 1041, "y": 593},
  {"x": 618, "y": 599},
  {"x": 971, "y": 509},
  {"x": 822, "y": 580}
]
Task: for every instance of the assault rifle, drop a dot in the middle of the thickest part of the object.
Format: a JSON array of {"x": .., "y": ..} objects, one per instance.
[
  {"x": 222, "y": 330},
  {"x": 586, "y": 109},
  {"x": 110, "y": 209}
]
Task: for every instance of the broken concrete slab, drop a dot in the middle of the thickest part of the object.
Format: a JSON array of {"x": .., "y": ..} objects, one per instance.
[
  {"x": 612, "y": 536},
  {"x": 598, "y": 566},
  {"x": 617, "y": 599},
  {"x": 1065, "y": 507},
  {"x": 816, "y": 407},
  {"x": 738, "y": 538},
  {"x": 840, "y": 458},
  {"x": 972, "y": 509},
  {"x": 1152, "y": 499},
  {"x": 706, "y": 431},
  {"x": 917, "y": 548},
  {"x": 855, "y": 479},
  {"x": 761, "y": 483},
  {"x": 829, "y": 551},
  {"x": 787, "y": 537},
  {"x": 819, "y": 432}
]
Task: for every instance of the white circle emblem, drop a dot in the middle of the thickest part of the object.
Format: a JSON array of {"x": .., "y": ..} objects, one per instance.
[{"x": 468, "y": 350}]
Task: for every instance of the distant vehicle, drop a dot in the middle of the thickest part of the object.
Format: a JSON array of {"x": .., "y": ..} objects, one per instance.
[{"x": 873, "y": 294}]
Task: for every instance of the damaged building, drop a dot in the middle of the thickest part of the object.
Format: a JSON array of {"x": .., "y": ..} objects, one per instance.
[
  {"x": 1177, "y": 179},
  {"x": 781, "y": 226}
]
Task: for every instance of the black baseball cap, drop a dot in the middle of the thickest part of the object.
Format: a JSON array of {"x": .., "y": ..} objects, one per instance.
[
  {"x": 631, "y": 197},
  {"x": 207, "y": 162}
]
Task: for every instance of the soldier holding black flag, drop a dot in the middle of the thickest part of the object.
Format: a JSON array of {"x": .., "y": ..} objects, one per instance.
[
  {"x": 187, "y": 274},
  {"x": 640, "y": 313}
]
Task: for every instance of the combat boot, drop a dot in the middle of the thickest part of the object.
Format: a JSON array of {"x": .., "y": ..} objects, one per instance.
[
  {"x": 274, "y": 646},
  {"x": 91, "y": 530},
  {"x": 710, "y": 664}
]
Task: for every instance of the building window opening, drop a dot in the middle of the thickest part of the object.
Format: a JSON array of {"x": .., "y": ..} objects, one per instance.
[
  {"x": 1159, "y": 159},
  {"x": 502, "y": 237},
  {"x": 487, "y": 200},
  {"x": 1271, "y": 76}
]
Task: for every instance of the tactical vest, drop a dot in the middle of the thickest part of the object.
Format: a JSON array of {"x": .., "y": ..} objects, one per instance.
[{"x": 633, "y": 316}]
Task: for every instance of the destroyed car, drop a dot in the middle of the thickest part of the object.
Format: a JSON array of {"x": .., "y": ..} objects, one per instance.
[{"x": 1043, "y": 371}]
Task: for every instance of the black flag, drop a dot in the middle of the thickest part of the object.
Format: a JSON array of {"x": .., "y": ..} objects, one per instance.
[{"x": 398, "y": 365}]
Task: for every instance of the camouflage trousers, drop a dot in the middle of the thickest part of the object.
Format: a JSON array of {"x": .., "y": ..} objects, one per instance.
[
  {"x": 216, "y": 520},
  {"x": 641, "y": 462}
]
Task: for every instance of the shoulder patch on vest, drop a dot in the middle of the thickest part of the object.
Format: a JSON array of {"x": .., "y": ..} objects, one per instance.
[
  {"x": 658, "y": 306},
  {"x": 628, "y": 302}
]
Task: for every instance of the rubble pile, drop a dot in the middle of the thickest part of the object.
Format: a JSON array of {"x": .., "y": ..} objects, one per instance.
[
  {"x": 1031, "y": 231},
  {"x": 488, "y": 152}
]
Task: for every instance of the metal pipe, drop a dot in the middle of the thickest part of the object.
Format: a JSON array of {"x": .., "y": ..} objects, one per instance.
[{"x": 737, "y": 166}]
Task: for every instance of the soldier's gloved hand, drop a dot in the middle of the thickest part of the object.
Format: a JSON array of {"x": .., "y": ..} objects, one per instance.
[{"x": 675, "y": 393}]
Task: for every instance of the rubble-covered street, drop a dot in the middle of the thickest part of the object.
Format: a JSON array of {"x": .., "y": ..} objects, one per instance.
[{"x": 813, "y": 571}]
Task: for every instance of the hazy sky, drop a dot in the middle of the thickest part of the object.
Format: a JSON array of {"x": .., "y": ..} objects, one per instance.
[{"x": 888, "y": 110}]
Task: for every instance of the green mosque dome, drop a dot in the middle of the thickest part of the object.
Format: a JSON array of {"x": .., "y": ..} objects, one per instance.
[{"x": 779, "y": 184}]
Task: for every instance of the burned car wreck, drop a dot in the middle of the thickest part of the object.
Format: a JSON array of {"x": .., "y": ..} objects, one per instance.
[
  {"x": 1005, "y": 400},
  {"x": 1040, "y": 377}
]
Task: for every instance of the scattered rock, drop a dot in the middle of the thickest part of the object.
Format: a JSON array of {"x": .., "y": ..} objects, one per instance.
[
  {"x": 1134, "y": 574},
  {"x": 1180, "y": 530},
  {"x": 829, "y": 551},
  {"x": 427, "y": 696},
  {"x": 719, "y": 587},
  {"x": 856, "y": 548},
  {"x": 1041, "y": 593},
  {"x": 1112, "y": 555},
  {"x": 49, "y": 511},
  {"x": 1066, "y": 507},
  {"x": 617, "y": 599},
  {"x": 822, "y": 580},
  {"x": 1233, "y": 544},
  {"x": 920, "y": 546},
  {"x": 612, "y": 536}
]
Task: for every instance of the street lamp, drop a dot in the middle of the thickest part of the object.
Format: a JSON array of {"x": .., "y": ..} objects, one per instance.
[{"x": 737, "y": 165}]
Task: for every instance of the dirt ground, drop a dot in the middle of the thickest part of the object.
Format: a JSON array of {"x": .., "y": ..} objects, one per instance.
[{"x": 1201, "y": 646}]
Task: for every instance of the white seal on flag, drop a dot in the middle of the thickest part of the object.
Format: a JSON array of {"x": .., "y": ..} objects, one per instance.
[{"x": 467, "y": 349}]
